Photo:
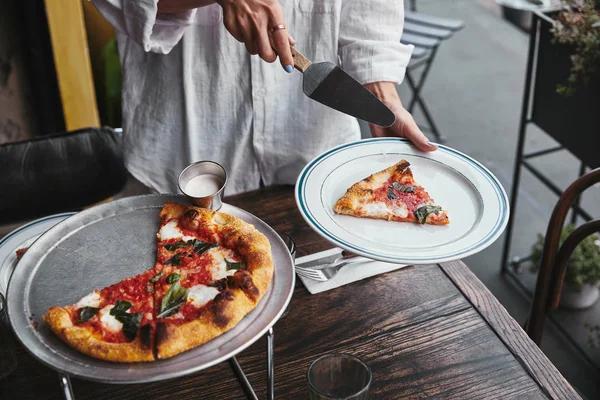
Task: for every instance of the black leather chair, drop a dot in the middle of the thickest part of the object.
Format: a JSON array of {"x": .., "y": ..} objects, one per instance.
[{"x": 59, "y": 173}]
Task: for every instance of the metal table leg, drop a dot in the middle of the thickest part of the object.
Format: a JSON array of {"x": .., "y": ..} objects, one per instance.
[{"x": 65, "y": 384}]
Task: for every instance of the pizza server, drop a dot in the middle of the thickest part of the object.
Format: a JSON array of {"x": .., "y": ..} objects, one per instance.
[{"x": 328, "y": 84}]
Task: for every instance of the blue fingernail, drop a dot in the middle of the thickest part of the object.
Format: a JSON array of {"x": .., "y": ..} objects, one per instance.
[{"x": 288, "y": 69}]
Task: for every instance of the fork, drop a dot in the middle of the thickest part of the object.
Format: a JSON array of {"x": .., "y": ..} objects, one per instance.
[{"x": 324, "y": 273}]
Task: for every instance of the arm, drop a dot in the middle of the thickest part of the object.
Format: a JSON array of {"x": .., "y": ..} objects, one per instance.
[{"x": 370, "y": 50}]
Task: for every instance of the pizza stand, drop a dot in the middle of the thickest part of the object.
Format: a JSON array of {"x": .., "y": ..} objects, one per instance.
[
  {"x": 106, "y": 244},
  {"x": 109, "y": 242}
]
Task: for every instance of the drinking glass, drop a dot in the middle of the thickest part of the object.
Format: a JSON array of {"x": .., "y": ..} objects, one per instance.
[{"x": 338, "y": 376}]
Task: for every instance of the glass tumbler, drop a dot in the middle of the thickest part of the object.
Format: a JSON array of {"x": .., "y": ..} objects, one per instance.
[{"x": 338, "y": 376}]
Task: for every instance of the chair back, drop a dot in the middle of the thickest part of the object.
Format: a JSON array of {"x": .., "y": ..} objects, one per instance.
[
  {"x": 554, "y": 258},
  {"x": 58, "y": 173}
]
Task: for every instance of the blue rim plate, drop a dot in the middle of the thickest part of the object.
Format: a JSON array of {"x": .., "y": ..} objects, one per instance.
[
  {"x": 23, "y": 236},
  {"x": 475, "y": 200}
]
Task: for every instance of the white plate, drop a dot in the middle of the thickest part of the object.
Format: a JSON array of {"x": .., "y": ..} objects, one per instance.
[
  {"x": 22, "y": 237},
  {"x": 476, "y": 203}
]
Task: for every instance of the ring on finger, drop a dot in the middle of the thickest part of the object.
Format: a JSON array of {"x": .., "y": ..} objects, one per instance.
[{"x": 277, "y": 27}]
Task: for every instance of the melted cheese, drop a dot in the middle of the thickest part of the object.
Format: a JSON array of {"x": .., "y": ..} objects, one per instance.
[
  {"x": 91, "y": 300},
  {"x": 171, "y": 231},
  {"x": 199, "y": 295},
  {"x": 109, "y": 322},
  {"x": 218, "y": 269},
  {"x": 383, "y": 210}
]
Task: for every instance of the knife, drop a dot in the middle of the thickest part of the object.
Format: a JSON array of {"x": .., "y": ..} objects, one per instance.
[{"x": 328, "y": 84}]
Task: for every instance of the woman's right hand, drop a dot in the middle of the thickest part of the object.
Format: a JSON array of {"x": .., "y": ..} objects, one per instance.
[{"x": 252, "y": 21}]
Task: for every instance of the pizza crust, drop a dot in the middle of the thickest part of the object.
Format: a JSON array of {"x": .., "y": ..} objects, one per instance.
[{"x": 87, "y": 341}]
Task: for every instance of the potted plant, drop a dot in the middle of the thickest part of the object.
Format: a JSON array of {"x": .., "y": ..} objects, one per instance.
[
  {"x": 578, "y": 26},
  {"x": 580, "y": 287}
]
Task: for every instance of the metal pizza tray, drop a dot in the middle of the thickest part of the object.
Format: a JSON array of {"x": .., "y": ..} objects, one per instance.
[{"x": 103, "y": 245}]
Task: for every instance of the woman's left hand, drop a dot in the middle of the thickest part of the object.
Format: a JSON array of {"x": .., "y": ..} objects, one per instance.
[{"x": 405, "y": 125}]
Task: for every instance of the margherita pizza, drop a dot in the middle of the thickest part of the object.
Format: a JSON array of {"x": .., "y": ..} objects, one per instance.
[
  {"x": 212, "y": 269},
  {"x": 393, "y": 195}
]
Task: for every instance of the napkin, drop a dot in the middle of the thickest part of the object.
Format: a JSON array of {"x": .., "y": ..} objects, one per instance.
[{"x": 348, "y": 274}]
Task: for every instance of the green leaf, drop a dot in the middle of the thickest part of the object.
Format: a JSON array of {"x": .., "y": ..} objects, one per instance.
[
  {"x": 173, "y": 300},
  {"x": 149, "y": 287},
  {"x": 86, "y": 313},
  {"x": 403, "y": 188},
  {"x": 131, "y": 323},
  {"x": 391, "y": 195},
  {"x": 120, "y": 306},
  {"x": 156, "y": 277},
  {"x": 177, "y": 245},
  {"x": 172, "y": 278},
  {"x": 175, "y": 260},
  {"x": 422, "y": 212},
  {"x": 233, "y": 265},
  {"x": 201, "y": 247}
]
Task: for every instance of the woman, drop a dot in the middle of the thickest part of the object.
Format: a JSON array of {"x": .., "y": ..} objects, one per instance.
[{"x": 192, "y": 91}]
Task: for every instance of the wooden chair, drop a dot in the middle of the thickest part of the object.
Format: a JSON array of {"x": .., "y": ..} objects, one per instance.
[
  {"x": 554, "y": 259},
  {"x": 426, "y": 33}
]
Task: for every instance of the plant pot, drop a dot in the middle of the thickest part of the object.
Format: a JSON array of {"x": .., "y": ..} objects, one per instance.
[{"x": 578, "y": 300}]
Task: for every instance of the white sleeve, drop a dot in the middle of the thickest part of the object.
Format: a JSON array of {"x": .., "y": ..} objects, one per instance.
[
  {"x": 369, "y": 40},
  {"x": 138, "y": 20}
]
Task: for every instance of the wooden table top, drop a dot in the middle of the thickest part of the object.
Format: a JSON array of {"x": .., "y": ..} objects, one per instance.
[{"x": 425, "y": 331}]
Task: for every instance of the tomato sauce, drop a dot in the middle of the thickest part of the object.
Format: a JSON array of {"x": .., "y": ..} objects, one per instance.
[{"x": 412, "y": 200}]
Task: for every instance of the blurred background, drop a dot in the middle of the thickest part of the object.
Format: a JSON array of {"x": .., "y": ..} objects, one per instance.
[{"x": 59, "y": 71}]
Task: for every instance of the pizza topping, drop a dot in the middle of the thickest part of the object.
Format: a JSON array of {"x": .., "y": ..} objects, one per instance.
[
  {"x": 175, "y": 260},
  {"x": 151, "y": 282},
  {"x": 199, "y": 295},
  {"x": 91, "y": 300},
  {"x": 108, "y": 321},
  {"x": 171, "y": 231},
  {"x": 402, "y": 188},
  {"x": 391, "y": 195},
  {"x": 422, "y": 212},
  {"x": 233, "y": 265},
  {"x": 174, "y": 298},
  {"x": 177, "y": 245},
  {"x": 201, "y": 247},
  {"x": 131, "y": 322},
  {"x": 86, "y": 313},
  {"x": 172, "y": 278}
]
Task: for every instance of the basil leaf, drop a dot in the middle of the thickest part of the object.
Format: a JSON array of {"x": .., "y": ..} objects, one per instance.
[
  {"x": 120, "y": 307},
  {"x": 156, "y": 277},
  {"x": 172, "y": 278},
  {"x": 391, "y": 195},
  {"x": 201, "y": 247},
  {"x": 233, "y": 265},
  {"x": 177, "y": 245},
  {"x": 422, "y": 212},
  {"x": 403, "y": 188},
  {"x": 174, "y": 298},
  {"x": 86, "y": 313},
  {"x": 131, "y": 323},
  {"x": 149, "y": 287},
  {"x": 175, "y": 260}
]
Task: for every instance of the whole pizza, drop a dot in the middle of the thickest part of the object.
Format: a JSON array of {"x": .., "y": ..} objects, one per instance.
[{"x": 211, "y": 270}]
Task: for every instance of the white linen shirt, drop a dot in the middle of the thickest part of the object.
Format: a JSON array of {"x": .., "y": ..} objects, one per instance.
[{"x": 192, "y": 92}]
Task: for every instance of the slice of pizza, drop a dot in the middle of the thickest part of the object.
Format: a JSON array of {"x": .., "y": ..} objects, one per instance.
[
  {"x": 214, "y": 270},
  {"x": 114, "y": 324},
  {"x": 393, "y": 195}
]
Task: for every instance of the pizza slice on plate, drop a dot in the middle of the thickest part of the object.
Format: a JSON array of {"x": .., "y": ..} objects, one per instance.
[
  {"x": 115, "y": 323},
  {"x": 391, "y": 194},
  {"x": 214, "y": 269}
]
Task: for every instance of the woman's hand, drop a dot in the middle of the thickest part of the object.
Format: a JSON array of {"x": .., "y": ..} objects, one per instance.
[
  {"x": 252, "y": 21},
  {"x": 405, "y": 125}
]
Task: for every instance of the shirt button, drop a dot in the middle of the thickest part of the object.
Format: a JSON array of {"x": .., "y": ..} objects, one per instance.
[{"x": 261, "y": 93}]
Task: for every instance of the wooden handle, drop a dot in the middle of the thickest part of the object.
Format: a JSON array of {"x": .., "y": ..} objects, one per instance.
[{"x": 301, "y": 63}]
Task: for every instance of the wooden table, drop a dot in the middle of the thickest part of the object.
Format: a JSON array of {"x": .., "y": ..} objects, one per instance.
[{"x": 425, "y": 331}]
